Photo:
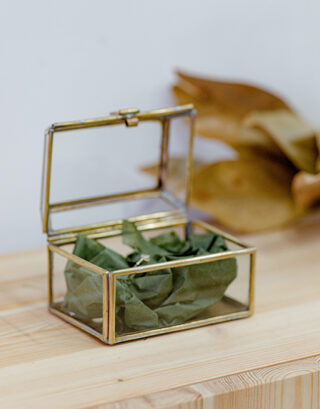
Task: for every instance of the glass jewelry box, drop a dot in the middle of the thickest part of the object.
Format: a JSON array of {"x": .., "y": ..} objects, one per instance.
[{"x": 147, "y": 298}]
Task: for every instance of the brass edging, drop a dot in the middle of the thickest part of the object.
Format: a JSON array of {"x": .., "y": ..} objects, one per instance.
[
  {"x": 159, "y": 114},
  {"x": 105, "y": 307},
  {"x": 75, "y": 322},
  {"x": 181, "y": 327},
  {"x": 114, "y": 228},
  {"x": 78, "y": 260},
  {"x": 112, "y": 309},
  {"x": 81, "y": 203},
  {"x": 182, "y": 262}
]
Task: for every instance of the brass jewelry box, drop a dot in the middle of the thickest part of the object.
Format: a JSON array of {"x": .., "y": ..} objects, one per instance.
[{"x": 170, "y": 215}]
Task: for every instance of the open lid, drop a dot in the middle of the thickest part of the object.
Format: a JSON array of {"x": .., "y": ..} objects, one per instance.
[{"x": 73, "y": 151}]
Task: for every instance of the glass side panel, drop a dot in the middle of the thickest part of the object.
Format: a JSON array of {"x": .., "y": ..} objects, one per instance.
[
  {"x": 173, "y": 296},
  {"x": 178, "y": 152},
  {"x": 77, "y": 292}
]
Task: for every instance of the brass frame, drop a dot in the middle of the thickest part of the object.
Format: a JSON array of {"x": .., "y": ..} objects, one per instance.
[{"x": 174, "y": 218}]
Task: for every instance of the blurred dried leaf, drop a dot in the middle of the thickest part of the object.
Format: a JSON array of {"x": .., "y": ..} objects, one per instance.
[
  {"x": 233, "y": 98},
  {"x": 247, "y": 195},
  {"x": 212, "y": 124},
  {"x": 254, "y": 192},
  {"x": 234, "y": 133},
  {"x": 306, "y": 189},
  {"x": 252, "y": 151},
  {"x": 293, "y": 136},
  {"x": 222, "y": 106}
]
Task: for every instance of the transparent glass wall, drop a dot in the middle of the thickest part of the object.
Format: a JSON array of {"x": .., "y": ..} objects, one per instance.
[
  {"x": 180, "y": 295},
  {"x": 77, "y": 292}
]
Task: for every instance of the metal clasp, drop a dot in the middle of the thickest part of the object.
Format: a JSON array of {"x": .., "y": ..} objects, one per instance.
[{"x": 129, "y": 116}]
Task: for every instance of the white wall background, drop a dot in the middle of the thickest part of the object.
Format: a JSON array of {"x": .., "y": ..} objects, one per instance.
[{"x": 71, "y": 59}]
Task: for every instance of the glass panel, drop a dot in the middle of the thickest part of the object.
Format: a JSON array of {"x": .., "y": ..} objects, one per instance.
[
  {"x": 178, "y": 151},
  {"x": 103, "y": 161},
  {"x": 109, "y": 212},
  {"x": 77, "y": 292},
  {"x": 238, "y": 289},
  {"x": 172, "y": 296}
]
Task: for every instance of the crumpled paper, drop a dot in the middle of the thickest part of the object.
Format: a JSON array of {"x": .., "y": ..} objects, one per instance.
[{"x": 154, "y": 299}]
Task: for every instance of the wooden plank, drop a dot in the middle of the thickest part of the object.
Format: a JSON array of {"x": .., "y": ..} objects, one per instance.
[
  {"x": 106, "y": 374},
  {"x": 294, "y": 385},
  {"x": 44, "y": 362},
  {"x": 22, "y": 279}
]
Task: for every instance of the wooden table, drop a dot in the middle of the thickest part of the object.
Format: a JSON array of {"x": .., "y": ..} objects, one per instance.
[{"x": 271, "y": 360}]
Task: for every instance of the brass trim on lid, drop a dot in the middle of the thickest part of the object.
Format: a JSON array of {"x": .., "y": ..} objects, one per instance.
[{"x": 128, "y": 117}]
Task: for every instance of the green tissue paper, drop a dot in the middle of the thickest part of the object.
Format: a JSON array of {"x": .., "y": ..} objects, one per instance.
[{"x": 154, "y": 299}]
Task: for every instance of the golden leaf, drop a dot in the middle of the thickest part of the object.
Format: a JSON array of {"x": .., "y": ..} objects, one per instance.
[
  {"x": 293, "y": 136},
  {"x": 250, "y": 194},
  {"x": 221, "y": 107},
  {"x": 233, "y": 98}
]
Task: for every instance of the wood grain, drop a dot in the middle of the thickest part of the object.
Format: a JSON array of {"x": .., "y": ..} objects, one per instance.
[
  {"x": 293, "y": 385},
  {"x": 261, "y": 362}
]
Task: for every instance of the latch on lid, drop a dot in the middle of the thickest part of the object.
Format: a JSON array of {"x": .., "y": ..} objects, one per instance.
[{"x": 129, "y": 116}]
